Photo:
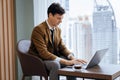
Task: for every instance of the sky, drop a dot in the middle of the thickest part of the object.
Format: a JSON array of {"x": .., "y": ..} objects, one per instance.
[
  {"x": 81, "y": 7},
  {"x": 86, "y": 7}
]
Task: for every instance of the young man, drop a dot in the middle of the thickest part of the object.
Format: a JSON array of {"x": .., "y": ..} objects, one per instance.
[{"x": 47, "y": 44}]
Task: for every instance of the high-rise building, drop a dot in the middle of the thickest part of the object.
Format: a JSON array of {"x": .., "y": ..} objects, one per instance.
[
  {"x": 105, "y": 32},
  {"x": 80, "y": 37}
]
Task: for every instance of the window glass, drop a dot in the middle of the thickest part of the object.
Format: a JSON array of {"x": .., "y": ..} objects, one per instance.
[{"x": 89, "y": 26}]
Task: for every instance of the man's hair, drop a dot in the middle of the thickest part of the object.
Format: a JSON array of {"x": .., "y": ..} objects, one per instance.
[{"x": 55, "y": 8}]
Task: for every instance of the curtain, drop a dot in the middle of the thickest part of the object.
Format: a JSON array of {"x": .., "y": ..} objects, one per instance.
[{"x": 7, "y": 40}]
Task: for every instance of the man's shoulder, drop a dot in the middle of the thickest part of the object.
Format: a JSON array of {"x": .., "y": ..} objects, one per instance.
[{"x": 42, "y": 25}]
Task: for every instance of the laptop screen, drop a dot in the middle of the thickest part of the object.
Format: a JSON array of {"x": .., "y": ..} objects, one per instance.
[{"x": 97, "y": 58}]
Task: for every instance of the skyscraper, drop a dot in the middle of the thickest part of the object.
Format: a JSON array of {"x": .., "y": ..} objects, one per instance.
[
  {"x": 80, "y": 37},
  {"x": 105, "y": 32}
]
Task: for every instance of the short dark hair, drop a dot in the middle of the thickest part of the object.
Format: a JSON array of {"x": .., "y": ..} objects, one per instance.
[{"x": 55, "y": 8}]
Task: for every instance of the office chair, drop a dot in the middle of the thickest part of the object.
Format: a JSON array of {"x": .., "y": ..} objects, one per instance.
[{"x": 31, "y": 65}]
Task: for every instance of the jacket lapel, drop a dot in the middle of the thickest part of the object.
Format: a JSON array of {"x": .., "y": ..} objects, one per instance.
[
  {"x": 49, "y": 35},
  {"x": 55, "y": 38}
]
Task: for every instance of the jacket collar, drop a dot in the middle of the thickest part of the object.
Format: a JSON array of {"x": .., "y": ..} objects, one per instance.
[{"x": 49, "y": 26}]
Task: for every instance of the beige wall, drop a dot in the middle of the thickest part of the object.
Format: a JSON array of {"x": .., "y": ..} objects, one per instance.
[{"x": 7, "y": 40}]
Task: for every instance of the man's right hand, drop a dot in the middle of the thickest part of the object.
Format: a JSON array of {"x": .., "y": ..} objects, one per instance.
[{"x": 71, "y": 62}]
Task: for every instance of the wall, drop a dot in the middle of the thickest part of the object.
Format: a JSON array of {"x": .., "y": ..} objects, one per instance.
[{"x": 24, "y": 25}]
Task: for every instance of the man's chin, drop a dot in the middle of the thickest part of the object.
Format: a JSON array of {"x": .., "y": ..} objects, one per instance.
[{"x": 55, "y": 25}]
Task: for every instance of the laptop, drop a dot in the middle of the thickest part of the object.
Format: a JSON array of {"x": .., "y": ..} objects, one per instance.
[{"x": 95, "y": 60}]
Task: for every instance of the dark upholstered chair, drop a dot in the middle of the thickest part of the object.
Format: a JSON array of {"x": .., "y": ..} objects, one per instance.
[{"x": 31, "y": 65}]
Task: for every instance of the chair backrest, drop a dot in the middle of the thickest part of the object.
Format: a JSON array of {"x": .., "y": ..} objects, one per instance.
[
  {"x": 31, "y": 65},
  {"x": 23, "y": 46}
]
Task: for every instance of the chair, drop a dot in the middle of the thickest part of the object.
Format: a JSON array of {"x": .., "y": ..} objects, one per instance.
[{"x": 31, "y": 65}]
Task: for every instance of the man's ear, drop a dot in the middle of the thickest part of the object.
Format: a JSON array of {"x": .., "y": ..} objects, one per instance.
[{"x": 50, "y": 15}]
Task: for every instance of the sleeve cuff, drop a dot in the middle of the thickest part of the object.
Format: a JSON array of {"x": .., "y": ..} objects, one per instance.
[
  {"x": 70, "y": 55},
  {"x": 58, "y": 59}
]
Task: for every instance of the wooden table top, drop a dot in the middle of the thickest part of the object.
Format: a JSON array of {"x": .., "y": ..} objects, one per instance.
[{"x": 108, "y": 72}]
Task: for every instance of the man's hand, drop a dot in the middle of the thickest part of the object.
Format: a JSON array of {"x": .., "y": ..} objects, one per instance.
[
  {"x": 81, "y": 61},
  {"x": 72, "y": 62}
]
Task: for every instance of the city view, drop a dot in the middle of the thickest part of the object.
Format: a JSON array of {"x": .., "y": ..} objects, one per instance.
[{"x": 84, "y": 34}]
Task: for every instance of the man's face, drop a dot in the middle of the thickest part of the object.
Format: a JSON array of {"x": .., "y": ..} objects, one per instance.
[{"x": 55, "y": 19}]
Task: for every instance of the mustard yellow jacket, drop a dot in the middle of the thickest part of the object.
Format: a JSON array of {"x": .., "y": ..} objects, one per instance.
[{"x": 41, "y": 43}]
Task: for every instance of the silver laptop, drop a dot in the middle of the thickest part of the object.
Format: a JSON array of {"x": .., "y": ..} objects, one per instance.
[{"x": 96, "y": 58}]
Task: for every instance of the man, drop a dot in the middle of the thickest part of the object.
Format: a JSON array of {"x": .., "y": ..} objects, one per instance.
[{"x": 46, "y": 42}]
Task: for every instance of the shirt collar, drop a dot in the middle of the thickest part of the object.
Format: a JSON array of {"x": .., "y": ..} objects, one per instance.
[{"x": 50, "y": 26}]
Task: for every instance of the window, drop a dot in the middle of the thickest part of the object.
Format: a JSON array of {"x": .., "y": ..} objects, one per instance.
[{"x": 88, "y": 25}]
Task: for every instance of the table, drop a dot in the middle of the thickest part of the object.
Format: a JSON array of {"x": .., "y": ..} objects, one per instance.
[{"x": 104, "y": 72}]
